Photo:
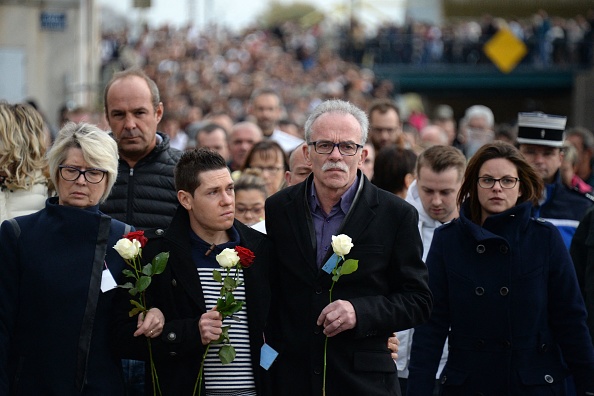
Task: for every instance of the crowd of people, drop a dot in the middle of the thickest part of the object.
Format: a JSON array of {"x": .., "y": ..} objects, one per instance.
[
  {"x": 472, "y": 240},
  {"x": 549, "y": 40}
]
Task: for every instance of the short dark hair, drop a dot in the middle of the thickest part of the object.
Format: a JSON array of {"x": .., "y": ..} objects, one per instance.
[
  {"x": 440, "y": 158},
  {"x": 531, "y": 184},
  {"x": 209, "y": 128},
  {"x": 194, "y": 162},
  {"x": 392, "y": 164},
  {"x": 382, "y": 106}
]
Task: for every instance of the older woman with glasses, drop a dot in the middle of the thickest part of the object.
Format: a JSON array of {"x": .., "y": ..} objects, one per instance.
[
  {"x": 505, "y": 292},
  {"x": 58, "y": 271}
]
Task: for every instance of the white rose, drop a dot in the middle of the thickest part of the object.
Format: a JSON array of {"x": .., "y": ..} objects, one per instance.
[
  {"x": 127, "y": 249},
  {"x": 341, "y": 245},
  {"x": 228, "y": 258}
]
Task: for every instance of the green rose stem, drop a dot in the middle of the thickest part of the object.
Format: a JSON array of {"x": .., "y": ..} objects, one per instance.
[
  {"x": 226, "y": 306},
  {"x": 142, "y": 298},
  {"x": 130, "y": 249},
  {"x": 348, "y": 267},
  {"x": 199, "y": 379},
  {"x": 326, "y": 340}
]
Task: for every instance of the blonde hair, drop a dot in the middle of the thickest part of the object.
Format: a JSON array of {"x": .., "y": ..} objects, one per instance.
[
  {"x": 99, "y": 150},
  {"x": 23, "y": 145}
]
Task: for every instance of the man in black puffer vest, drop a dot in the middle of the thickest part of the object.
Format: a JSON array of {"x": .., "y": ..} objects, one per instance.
[{"x": 144, "y": 193}]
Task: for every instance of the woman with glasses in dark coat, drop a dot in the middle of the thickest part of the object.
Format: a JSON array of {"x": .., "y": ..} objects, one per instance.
[
  {"x": 505, "y": 292},
  {"x": 57, "y": 273}
]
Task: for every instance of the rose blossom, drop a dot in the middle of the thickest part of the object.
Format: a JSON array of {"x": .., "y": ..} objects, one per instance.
[
  {"x": 341, "y": 245},
  {"x": 138, "y": 236},
  {"x": 227, "y": 258},
  {"x": 246, "y": 256},
  {"x": 127, "y": 249}
]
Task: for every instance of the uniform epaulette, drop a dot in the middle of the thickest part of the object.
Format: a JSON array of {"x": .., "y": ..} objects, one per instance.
[{"x": 584, "y": 194}]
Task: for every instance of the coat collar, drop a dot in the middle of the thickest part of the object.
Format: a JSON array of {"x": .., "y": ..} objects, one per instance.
[
  {"x": 178, "y": 236},
  {"x": 361, "y": 213},
  {"x": 507, "y": 224}
]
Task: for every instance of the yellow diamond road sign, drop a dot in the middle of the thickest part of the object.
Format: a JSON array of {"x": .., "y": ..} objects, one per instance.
[{"x": 505, "y": 50}]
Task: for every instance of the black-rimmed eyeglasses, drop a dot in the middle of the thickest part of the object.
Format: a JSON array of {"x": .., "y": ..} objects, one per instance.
[
  {"x": 504, "y": 182},
  {"x": 344, "y": 148},
  {"x": 70, "y": 173}
]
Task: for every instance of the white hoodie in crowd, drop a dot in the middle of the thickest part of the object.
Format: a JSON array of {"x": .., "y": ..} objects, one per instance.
[{"x": 427, "y": 227}]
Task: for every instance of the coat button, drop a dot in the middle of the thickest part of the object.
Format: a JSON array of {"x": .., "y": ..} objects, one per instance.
[
  {"x": 503, "y": 249},
  {"x": 480, "y": 344},
  {"x": 159, "y": 232},
  {"x": 549, "y": 379},
  {"x": 544, "y": 348},
  {"x": 506, "y": 344},
  {"x": 171, "y": 336},
  {"x": 318, "y": 290},
  {"x": 444, "y": 379},
  {"x": 317, "y": 371},
  {"x": 173, "y": 283},
  {"x": 317, "y": 331},
  {"x": 172, "y": 353},
  {"x": 479, "y": 291},
  {"x": 504, "y": 291},
  {"x": 480, "y": 249}
]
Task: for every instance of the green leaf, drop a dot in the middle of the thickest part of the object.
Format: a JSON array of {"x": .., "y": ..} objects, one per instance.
[
  {"x": 227, "y": 354},
  {"x": 127, "y": 285},
  {"x": 133, "y": 291},
  {"x": 129, "y": 273},
  {"x": 143, "y": 283},
  {"x": 229, "y": 283},
  {"x": 335, "y": 278},
  {"x": 349, "y": 267},
  {"x": 138, "y": 305},
  {"x": 147, "y": 269},
  {"x": 216, "y": 275},
  {"x": 134, "y": 312},
  {"x": 160, "y": 262}
]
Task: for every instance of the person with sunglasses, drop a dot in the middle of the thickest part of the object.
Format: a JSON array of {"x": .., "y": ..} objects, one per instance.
[
  {"x": 59, "y": 272},
  {"x": 505, "y": 292}
]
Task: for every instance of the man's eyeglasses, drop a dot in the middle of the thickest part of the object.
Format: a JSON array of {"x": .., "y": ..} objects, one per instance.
[
  {"x": 344, "y": 148},
  {"x": 70, "y": 173},
  {"x": 504, "y": 182}
]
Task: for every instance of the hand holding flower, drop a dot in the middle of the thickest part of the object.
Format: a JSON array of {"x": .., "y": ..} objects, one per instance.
[
  {"x": 337, "y": 317},
  {"x": 209, "y": 325},
  {"x": 150, "y": 323}
]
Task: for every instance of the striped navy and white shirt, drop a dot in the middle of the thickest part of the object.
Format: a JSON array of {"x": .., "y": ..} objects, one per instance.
[{"x": 236, "y": 378}]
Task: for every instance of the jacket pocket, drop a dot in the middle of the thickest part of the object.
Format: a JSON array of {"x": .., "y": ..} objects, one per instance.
[
  {"x": 554, "y": 376},
  {"x": 370, "y": 361},
  {"x": 453, "y": 377}
]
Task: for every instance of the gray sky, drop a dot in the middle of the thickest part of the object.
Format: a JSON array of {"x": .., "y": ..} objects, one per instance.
[{"x": 239, "y": 13}]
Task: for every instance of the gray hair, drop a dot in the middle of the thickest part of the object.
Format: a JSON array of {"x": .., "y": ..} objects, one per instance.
[
  {"x": 585, "y": 134},
  {"x": 99, "y": 150},
  {"x": 480, "y": 111},
  {"x": 340, "y": 107}
]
